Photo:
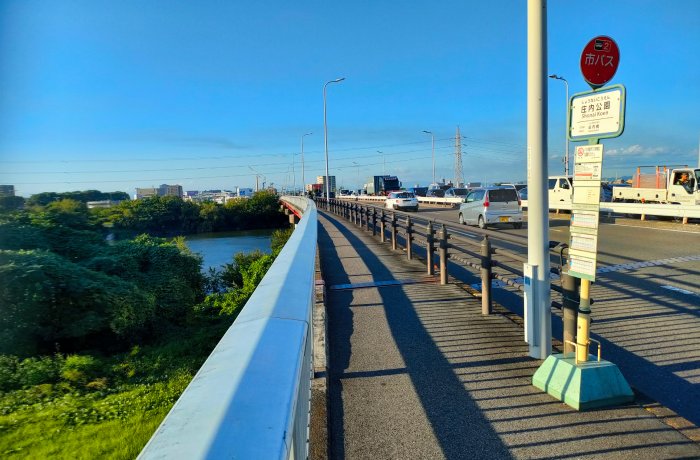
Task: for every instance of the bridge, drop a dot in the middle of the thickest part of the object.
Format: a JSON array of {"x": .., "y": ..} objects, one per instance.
[{"x": 425, "y": 351}]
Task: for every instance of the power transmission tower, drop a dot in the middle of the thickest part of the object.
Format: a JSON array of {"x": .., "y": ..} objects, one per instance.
[{"x": 459, "y": 176}]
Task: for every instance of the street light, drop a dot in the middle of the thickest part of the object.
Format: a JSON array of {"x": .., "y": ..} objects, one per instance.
[
  {"x": 303, "y": 181},
  {"x": 325, "y": 134},
  {"x": 433, "y": 138},
  {"x": 566, "y": 128},
  {"x": 358, "y": 174},
  {"x": 384, "y": 162}
]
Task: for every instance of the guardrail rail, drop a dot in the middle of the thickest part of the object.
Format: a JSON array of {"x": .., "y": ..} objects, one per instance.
[{"x": 251, "y": 398}]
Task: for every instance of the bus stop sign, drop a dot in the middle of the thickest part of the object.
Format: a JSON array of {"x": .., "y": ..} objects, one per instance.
[{"x": 599, "y": 61}]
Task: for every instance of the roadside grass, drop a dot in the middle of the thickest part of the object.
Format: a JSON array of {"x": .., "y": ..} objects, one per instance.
[{"x": 112, "y": 416}]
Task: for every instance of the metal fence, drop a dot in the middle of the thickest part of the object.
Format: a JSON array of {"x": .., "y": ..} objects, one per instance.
[
  {"x": 251, "y": 398},
  {"x": 494, "y": 255}
]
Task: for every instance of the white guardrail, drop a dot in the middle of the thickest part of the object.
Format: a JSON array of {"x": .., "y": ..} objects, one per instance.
[
  {"x": 251, "y": 397},
  {"x": 421, "y": 199},
  {"x": 646, "y": 209}
]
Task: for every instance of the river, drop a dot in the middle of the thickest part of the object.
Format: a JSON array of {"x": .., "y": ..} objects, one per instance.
[{"x": 218, "y": 248}]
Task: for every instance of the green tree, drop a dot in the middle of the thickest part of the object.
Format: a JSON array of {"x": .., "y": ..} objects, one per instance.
[
  {"x": 47, "y": 301},
  {"x": 11, "y": 203}
]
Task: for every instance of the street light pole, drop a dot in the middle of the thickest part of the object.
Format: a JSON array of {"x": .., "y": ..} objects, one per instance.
[
  {"x": 566, "y": 128},
  {"x": 325, "y": 134},
  {"x": 433, "y": 141},
  {"x": 384, "y": 162},
  {"x": 303, "y": 180},
  {"x": 358, "y": 173}
]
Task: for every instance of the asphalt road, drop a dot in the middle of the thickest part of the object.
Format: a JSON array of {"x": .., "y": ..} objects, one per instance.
[{"x": 647, "y": 302}]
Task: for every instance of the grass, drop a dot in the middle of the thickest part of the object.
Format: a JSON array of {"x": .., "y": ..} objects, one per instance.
[
  {"x": 112, "y": 416},
  {"x": 85, "y": 425}
]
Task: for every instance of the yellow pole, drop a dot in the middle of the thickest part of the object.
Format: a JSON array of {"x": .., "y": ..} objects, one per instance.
[{"x": 583, "y": 322}]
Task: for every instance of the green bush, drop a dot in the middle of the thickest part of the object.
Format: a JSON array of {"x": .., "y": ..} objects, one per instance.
[
  {"x": 80, "y": 369},
  {"x": 16, "y": 373}
]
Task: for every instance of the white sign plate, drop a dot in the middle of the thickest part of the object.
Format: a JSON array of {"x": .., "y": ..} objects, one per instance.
[
  {"x": 596, "y": 114},
  {"x": 584, "y": 242},
  {"x": 587, "y": 172},
  {"x": 582, "y": 267},
  {"x": 589, "y": 154},
  {"x": 587, "y": 195},
  {"x": 584, "y": 219}
]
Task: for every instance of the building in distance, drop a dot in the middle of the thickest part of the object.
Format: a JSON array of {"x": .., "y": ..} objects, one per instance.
[{"x": 163, "y": 190}]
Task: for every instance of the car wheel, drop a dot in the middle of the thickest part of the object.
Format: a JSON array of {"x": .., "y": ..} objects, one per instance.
[
  {"x": 518, "y": 225},
  {"x": 461, "y": 219},
  {"x": 482, "y": 223}
]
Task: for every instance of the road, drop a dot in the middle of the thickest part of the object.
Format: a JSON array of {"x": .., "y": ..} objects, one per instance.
[{"x": 647, "y": 303}]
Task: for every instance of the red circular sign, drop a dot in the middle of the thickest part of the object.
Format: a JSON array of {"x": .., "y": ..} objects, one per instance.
[{"x": 599, "y": 61}]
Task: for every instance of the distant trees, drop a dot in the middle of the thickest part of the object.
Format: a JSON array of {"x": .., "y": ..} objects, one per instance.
[
  {"x": 66, "y": 288},
  {"x": 42, "y": 199},
  {"x": 169, "y": 215},
  {"x": 11, "y": 203}
]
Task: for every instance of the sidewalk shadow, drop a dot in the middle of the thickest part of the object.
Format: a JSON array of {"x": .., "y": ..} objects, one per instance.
[{"x": 458, "y": 423}]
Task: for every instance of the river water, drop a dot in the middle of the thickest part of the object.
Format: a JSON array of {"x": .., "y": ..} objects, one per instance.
[{"x": 218, "y": 248}]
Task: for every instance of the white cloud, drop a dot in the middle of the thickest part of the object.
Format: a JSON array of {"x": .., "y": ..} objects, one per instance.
[{"x": 637, "y": 151}]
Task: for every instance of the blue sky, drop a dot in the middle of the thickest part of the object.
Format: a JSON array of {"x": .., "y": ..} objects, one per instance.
[{"x": 123, "y": 94}]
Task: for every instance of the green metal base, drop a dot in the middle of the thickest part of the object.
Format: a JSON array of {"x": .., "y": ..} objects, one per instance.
[{"x": 584, "y": 386}]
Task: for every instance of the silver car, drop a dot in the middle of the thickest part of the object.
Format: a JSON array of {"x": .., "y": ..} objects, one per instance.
[{"x": 492, "y": 205}]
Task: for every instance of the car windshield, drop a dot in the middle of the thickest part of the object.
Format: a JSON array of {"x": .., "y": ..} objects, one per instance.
[
  {"x": 438, "y": 193},
  {"x": 404, "y": 195},
  {"x": 503, "y": 195},
  {"x": 460, "y": 191},
  {"x": 552, "y": 183}
]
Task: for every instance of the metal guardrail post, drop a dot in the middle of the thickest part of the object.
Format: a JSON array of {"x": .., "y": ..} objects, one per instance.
[
  {"x": 393, "y": 231},
  {"x": 409, "y": 238},
  {"x": 374, "y": 221},
  {"x": 430, "y": 249},
  {"x": 346, "y": 211},
  {"x": 442, "y": 236},
  {"x": 570, "y": 310},
  {"x": 382, "y": 227},
  {"x": 486, "y": 276},
  {"x": 368, "y": 214}
]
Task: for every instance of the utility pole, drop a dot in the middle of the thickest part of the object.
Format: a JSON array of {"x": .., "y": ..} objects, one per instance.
[
  {"x": 303, "y": 180},
  {"x": 432, "y": 137},
  {"x": 459, "y": 176},
  {"x": 538, "y": 306}
]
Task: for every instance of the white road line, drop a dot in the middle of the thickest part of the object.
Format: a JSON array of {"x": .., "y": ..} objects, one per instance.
[
  {"x": 682, "y": 291},
  {"x": 647, "y": 263},
  {"x": 655, "y": 228}
]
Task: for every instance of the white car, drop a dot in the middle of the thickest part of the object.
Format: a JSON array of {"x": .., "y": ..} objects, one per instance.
[{"x": 402, "y": 200}]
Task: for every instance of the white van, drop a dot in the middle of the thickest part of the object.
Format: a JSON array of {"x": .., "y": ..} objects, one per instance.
[{"x": 561, "y": 191}]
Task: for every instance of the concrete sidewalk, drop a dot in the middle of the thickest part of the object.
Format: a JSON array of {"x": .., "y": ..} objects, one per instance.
[{"x": 417, "y": 372}]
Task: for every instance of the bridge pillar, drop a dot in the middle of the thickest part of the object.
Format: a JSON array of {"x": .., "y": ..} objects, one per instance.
[
  {"x": 293, "y": 219},
  {"x": 374, "y": 221}
]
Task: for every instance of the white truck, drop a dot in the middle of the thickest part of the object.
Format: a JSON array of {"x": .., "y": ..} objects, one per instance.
[
  {"x": 664, "y": 184},
  {"x": 561, "y": 191}
]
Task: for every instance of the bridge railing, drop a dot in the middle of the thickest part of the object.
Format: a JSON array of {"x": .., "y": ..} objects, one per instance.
[
  {"x": 251, "y": 397},
  {"x": 471, "y": 247}
]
